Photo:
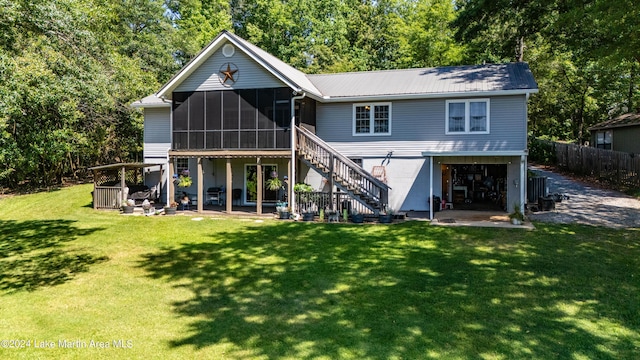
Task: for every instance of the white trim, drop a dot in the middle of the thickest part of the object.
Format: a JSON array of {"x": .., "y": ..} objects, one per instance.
[
  {"x": 467, "y": 116},
  {"x": 265, "y": 64},
  {"x": 216, "y": 44},
  {"x": 438, "y": 95},
  {"x": 475, "y": 153},
  {"x": 371, "y": 119},
  {"x": 191, "y": 66}
]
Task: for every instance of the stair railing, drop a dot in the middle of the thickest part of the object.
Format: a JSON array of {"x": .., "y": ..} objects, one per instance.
[{"x": 346, "y": 172}]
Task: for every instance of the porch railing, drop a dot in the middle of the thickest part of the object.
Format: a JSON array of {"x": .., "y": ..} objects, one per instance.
[
  {"x": 314, "y": 201},
  {"x": 348, "y": 176}
]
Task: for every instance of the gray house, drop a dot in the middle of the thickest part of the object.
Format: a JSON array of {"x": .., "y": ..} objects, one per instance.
[
  {"x": 236, "y": 116},
  {"x": 618, "y": 134}
]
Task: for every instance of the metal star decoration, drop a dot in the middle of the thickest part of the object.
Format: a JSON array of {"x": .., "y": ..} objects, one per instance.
[{"x": 228, "y": 73}]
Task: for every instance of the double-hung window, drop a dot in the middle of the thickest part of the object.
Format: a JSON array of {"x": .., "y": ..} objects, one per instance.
[
  {"x": 372, "y": 119},
  {"x": 182, "y": 165},
  {"x": 467, "y": 116}
]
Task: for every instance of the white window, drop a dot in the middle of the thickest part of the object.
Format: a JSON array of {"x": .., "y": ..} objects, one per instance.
[
  {"x": 372, "y": 119},
  {"x": 467, "y": 116},
  {"x": 603, "y": 140}
]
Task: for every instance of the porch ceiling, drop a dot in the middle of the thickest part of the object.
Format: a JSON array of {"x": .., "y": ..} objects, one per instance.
[{"x": 230, "y": 154}]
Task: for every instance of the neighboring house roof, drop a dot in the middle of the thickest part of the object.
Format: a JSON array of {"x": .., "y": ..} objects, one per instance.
[
  {"x": 428, "y": 82},
  {"x": 630, "y": 119},
  {"x": 452, "y": 81}
]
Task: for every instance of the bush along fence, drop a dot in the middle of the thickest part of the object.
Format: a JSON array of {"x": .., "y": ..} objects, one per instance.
[{"x": 617, "y": 168}]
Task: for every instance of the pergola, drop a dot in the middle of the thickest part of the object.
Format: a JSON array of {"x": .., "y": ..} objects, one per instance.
[{"x": 109, "y": 182}]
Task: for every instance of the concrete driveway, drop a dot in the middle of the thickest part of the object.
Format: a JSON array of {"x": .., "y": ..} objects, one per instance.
[{"x": 587, "y": 204}]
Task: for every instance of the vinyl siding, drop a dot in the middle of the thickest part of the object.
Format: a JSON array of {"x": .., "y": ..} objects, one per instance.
[
  {"x": 250, "y": 74},
  {"x": 157, "y": 133},
  {"x": 408, "y": 179},
  {"x": 419, "y": 125}
]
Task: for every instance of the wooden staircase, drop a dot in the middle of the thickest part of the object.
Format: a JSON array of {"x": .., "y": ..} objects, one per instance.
[{"x": 341, "y": 171}]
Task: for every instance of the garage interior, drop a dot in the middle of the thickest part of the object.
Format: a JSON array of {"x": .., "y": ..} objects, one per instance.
[{"x": 475, "y": 186}]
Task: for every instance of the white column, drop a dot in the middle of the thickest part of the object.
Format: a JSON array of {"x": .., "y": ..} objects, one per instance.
[
  {"x": 259, "y": 186},
  {"x": 292, "y": 178},
  {"x": 200, "y": 186},
  {"x": 431, "y": 205},
  {"x": 229, "y": 185},
  {"x": 523, "y": 180}
]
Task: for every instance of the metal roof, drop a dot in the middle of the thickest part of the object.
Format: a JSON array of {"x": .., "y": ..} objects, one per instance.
[
  {"x": 489, "y": 78},
  {"x": 151, "y": 101},
  {"x": 452, "y": 81},
  {"x": 630, "y": 119}
]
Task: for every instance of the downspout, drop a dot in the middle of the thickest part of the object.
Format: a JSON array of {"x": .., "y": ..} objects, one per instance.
[{"x": 292, "y": 179}]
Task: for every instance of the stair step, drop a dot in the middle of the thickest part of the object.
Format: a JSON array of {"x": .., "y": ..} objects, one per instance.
[{"x": 348, "y": 180}]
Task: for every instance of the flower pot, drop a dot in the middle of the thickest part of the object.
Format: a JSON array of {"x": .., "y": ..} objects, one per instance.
[
  {"x": 357, "y": 218},
  {"x": 284, "y": 215},
  {"x": 385, "y": 219},
  {"x": 307, "y": 216},
  {"x": 169, "y": 210},
  {"x": 515, "y": 221},
  {"x": 126, "y": 209}
]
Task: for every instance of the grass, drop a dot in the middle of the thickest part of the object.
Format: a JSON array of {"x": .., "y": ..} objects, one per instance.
[{"x": 173, "y": 288}]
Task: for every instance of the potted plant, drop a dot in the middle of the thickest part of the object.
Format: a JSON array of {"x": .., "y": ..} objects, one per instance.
[
  {"x": 356, "y": 217},
  {"x": 283, "y": 210},
  {"x": 306, "y": 200},
  {"x": 517, "y": 217},
  {"x": 274, "y": 184},
  {"x": 309, "y": 212},
  {"x": 128, "y": 206},
  {"x": 171, "y": 208},
  {"x": 386, "y": 217},
  {"x": 184, "y": 180}
]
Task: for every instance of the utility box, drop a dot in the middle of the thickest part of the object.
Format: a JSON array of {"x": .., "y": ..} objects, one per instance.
[{"x": 536, "y": 188}]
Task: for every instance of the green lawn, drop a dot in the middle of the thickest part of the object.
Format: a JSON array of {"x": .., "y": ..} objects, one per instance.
[{"x": 171, "y": 287}]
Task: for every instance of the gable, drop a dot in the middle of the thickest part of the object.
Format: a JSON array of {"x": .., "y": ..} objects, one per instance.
[
  {"x": 286, "y": 74},
  {"x": 249, "y": 75}
]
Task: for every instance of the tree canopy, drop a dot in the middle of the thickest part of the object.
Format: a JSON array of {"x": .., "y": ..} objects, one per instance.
[{"x": 70, "y": 68}]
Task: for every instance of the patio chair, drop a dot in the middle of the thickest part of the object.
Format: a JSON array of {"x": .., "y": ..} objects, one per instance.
[{"x": 185, "y": 204}]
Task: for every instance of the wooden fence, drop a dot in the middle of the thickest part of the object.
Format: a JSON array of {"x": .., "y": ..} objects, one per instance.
[
  {"x": 107, "y": 197},
  {"x": 615, "y": 167}
]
